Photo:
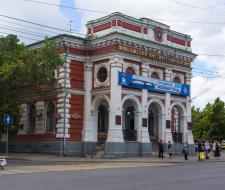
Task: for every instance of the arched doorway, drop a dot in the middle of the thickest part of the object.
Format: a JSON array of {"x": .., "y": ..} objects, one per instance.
[
  {"x": 176, "y": 124},
  {"x": 153, "y": 122},
  {"x": 129, "y": 121},
  {"x": 103, "y": 122}
]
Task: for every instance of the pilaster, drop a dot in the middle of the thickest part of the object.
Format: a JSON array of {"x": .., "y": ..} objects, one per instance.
[
  {"x": 63, "y": 104},
  {"x": 87, "y": 134},
  {"x": 167, "y": 117},
  {"x": 144, "y": 137},
  {"x": 115, "y": 133}
]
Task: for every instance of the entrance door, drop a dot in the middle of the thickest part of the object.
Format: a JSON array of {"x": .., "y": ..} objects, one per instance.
[
  {"x": 130, "y": 134},
  {"x": 102, "y": 123},
  {"x": 153, "y": 128}
]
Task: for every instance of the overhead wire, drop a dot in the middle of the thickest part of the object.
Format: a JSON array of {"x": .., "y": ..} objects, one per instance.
[
  {"x": 24, "y": 37},
  {"x": 21, "y": 29},
  {"x": 104, "y": 12},
  {"x": 19, "y": 24},
  {"x": 41, "y": 25}
]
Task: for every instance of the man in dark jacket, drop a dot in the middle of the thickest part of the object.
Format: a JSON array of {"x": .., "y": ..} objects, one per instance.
[{"x": 160, "y": 149}]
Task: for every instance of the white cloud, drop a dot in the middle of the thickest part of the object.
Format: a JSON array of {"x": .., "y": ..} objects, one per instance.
[
  {"x": 207, "y": 38},
  {"x": 22, "y": 9}
]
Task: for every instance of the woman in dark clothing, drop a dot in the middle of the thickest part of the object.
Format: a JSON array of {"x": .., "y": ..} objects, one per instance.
[
  {"x": 217, "y": 151},
  {"x": 160, "y": 149},
  {"x": 169, "y": 148},
  {"x": 186, "y": 146}
]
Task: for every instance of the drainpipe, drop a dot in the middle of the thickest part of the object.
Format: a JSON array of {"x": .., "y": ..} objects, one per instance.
[{"x": 65, "y": 90}]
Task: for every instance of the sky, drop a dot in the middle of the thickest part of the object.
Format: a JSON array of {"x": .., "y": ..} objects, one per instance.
[{"x": 204, "y": 20}]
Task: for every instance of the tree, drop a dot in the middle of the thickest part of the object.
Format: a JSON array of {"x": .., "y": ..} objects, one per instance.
[
  {"x": 23, "y": 68},
  {"x": 209, "y": 123},
  {"x": 217, "y": 121}
]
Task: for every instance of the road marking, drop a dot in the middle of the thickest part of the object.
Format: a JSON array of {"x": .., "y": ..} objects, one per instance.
[{"x": 74, "y": 167}]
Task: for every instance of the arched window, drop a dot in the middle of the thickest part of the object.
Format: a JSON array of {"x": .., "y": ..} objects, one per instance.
[
  {"x": 102, "y": 74},
  {"x": 130, "y": 70},
  {"x": 31, "y": 119},
  {"x": 102, "y": 119},
  {"x": 177, "y": 80},
  {"x": 50, "y": 117},
  {"x": 155, "y": 75}
]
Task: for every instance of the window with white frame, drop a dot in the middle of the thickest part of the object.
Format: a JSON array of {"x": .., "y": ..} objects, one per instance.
[
  {"x": 31, "y": 119},
  {"x": 50, "y": 117}
]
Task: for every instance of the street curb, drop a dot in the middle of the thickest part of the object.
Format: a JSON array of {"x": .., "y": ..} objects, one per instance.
[{"x": 113, "y": 161}]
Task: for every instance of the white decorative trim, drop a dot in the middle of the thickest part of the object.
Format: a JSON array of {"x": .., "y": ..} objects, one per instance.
[
  {"x": 134, "y": 98},
  {"x": 180, "y": 105},
  {"x": 135, "y": 67},
  {"x": 97, "y": 83},
  {"x": 158, "y": 102}
]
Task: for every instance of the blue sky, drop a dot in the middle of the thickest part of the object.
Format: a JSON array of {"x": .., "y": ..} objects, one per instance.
[
  {"x": 72, "y": 14},
  {"x": 207, "y": 39},
  {"x": 204, "y": 20}
]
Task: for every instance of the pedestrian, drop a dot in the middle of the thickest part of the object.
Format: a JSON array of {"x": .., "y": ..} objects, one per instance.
[
  {"x": 185, "y": 151},
  {"x": 170, "y": 149},
  {"x": 207, "y": 149},
  {"x": 160, "y": 149},
  {"x": 217, "y": 151},
  {"x": 199, "y": 150},
  {"x": 214, "y": 149}
]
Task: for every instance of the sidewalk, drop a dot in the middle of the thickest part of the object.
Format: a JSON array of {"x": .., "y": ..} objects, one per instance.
[{"x": 38, "y": 157}]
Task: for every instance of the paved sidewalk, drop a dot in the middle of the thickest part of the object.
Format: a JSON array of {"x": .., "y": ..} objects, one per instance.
[{"x": 37, "y": 157}]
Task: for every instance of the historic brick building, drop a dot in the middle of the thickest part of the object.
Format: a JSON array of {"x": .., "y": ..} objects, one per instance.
[{"x": 123, "y": 87}]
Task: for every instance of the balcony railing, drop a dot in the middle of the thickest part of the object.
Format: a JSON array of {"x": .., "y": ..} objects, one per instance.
[
  {"x": 130, "y": 135},
  {"x": 177, "y": 137}
]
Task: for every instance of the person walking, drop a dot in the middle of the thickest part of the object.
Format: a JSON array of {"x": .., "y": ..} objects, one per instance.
[
  {"x": 207, "y": 149},
  {"x": 214, "y": 149},
  {"x": 160, "y": 149},
  {"x": 217, "y": 151},
  {"x": 169, "y": 148},
  {"x": 186, "y": 146}
]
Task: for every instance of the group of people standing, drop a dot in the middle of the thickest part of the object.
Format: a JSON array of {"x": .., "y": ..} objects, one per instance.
[
  {"x": 170, "y": 150},
  {"x": 203, "y": 149}
]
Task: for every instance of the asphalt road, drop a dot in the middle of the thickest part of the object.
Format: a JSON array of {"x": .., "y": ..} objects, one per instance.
[{"x": 195, "y": 176}]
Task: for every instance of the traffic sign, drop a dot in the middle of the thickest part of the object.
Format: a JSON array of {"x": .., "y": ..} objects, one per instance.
[{"x": 8, "y": 119}]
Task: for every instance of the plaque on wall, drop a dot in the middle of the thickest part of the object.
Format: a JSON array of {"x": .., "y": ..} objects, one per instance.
[
  {"x": 118, "y": 120},
  {"x": 144, "y": 122},
  {"x": 189, "y": 125},
  {"x": 168, "y": 124}
]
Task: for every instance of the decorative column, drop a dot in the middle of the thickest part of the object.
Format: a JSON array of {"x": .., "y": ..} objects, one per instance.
[
  {"x": 115, "y": 145},
  {"x": 189, "y": 134},
  {"x": 167, "y": 128},
  {"x": 115, "y": 133},
  {"x": 63, "y": 107},
  {"x": 87, "y": 135},
  {"x": 63, "y": 104},
  {"x": 144, "y": 137}
]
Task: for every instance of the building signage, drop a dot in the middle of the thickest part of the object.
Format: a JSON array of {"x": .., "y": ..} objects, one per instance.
[
  {"x": 137, "y": 81},
  {"x": 153, "y": 55}
]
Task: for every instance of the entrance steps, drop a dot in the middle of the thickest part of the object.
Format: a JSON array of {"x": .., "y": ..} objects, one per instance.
[{"x": 100, "y": 150}]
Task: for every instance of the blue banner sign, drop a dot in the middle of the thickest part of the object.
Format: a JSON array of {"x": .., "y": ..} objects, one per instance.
[{"x": 137, "y": 81}]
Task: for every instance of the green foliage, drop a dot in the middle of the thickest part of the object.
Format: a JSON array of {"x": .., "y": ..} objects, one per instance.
[
  {"x": 23, "y": 68},
  {"x": 210, "y": 122}
]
